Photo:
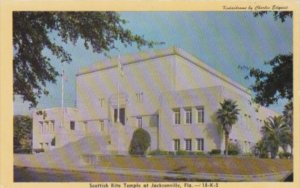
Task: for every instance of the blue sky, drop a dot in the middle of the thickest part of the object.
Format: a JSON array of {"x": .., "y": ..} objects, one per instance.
[{"x": 223, "y": 40}]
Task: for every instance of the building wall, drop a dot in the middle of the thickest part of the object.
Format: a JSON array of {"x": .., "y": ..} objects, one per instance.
[
  {"x": 147, "y": 78},
  {"x": 195, "y": 74},
  {"x": 49, "y": 132},
  {"x": 208, "y": 98},
  {"x": 140, "y": 89},
  {"x": 153, "y": 85},
  {"x": 251, "y": 118},
  {"x": 245, "y": 132}
]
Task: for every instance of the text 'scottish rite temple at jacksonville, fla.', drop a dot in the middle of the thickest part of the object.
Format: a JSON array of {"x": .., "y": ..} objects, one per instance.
[{"x": 170, "y": 93}]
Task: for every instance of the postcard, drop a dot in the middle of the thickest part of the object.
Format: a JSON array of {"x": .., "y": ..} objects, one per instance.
[{"x": 152, "y": 94}]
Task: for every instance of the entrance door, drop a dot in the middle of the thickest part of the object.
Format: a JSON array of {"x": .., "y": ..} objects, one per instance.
[{"x": 122, "y": 115}]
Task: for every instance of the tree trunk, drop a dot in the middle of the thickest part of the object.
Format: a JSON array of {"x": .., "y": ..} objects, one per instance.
[{"x": 226, "y": 143}]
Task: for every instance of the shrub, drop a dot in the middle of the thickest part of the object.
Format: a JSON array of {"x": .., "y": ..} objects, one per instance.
[
  {"x": 183, "y": 152},
  {"x": 215, "y": 152},
  {"x": 39, "y": 150},
  {"x": 260, "y": 149},
  {"x": 232, "y": 152},
  {"x": 284, "y": 155},
  {"x": 172, "y": 153},
  {"x": 233, "y": 149},
  {"x": 263, "y": 155},
  {"x": 159, "y": 152},
  {"x": 22, "y": 150},
  {"x": 199, "y": 153},
  {"x": 140, "y": 142},
  {"x": 248, "y": 154}
]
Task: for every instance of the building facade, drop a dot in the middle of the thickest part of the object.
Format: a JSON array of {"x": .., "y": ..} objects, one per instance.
[{"x": 169, "y": 93}]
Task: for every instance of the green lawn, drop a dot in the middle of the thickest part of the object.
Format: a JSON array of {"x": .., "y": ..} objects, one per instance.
[
  {"x": 226, "y": 165},
  {"x": 48, "y": 175},
  {"x": 198, "y": 164}
]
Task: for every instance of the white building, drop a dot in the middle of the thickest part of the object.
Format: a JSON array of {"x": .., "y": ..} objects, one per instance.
[{"x": 169, "y": 93}]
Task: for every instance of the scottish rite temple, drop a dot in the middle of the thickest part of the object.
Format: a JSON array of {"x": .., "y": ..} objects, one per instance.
[{"x": 169, "y": 93}]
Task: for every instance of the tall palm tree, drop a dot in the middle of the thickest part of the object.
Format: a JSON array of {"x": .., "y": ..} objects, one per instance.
[
  {"x": 288, "y": 114},
  {"x": 227, "y": 115},
  {"x": 288, "y": 119},
  {"x": 276, "y": 134}
]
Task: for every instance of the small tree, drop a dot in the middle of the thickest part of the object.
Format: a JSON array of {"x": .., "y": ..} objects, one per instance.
[
  {"x": 140, "y": 142},
  {"x": 227, "y": 115},
  {"x": 260, "y": 149},
  {"x": 234, "y": 148},
  {"x": 275, "y": 134},
  {"x": 22, "y": 133}
]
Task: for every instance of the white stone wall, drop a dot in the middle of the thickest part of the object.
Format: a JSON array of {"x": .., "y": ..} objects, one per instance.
[
  {"x": 148, "y": 78},
  {"x": 168, "y": 130},
  {"x": 245, "y": 132},
  {"x": 154, "y": 83},
  {"x": 195, "y": 74},
  {"x": 60, "y": 132}
]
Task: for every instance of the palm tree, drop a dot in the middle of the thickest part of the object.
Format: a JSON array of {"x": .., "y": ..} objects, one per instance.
[
  {"x": 227, "y": 115},
  {"x": 276, "y": 134},
  {"x": 288, "y": 118},
  {"x": 288, "y": 114}
]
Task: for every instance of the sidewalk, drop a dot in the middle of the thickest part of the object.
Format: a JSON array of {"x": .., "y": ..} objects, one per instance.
[{"x": 168, "y": 175}]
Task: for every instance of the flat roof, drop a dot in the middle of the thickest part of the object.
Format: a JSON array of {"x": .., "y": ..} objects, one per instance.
[{"x": 153, "y": 54}]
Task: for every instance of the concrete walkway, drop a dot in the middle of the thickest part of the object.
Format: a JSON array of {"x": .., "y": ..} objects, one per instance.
[{"x": 31, "y": 162}]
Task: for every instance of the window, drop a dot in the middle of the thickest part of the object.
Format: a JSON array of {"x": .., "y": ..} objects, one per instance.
[
  {"x": 139, "y": 121},
  {"x": 101, "y": 125},
  {"x": 41, "y": 127},
  {"x": 200, "y": 114},
  {"x": 176, "y": 116},
  {"x": 176, "y": 144},
  {"x": 200, "y": 144},
  {"x": 53, "y": 142},
  {"x": 188, "y": 115},
  {"x": 86, "y": 126},
  {"x": 121, "y": 114},
  {"x": 72, "y": 125},
  {"x": 139, "y": 97},
  {"x": 51, "y": 126},
  {"x": 101, "y": 102},
  {"x": 188, "y": 144},
  {"x": 46, "y": 130}
]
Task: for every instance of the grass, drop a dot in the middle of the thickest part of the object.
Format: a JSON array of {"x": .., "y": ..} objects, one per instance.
[
  {"x": 181, "y": 164},
  {"x": 23, "y": 174},
  {"x": 224, "y": 165}
]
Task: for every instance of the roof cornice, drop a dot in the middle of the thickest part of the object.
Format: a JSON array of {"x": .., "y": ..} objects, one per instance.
[{"x": 154, "y": 54}]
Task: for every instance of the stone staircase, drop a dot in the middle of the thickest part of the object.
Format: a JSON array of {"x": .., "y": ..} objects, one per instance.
[{"x": 90, "y": 144}]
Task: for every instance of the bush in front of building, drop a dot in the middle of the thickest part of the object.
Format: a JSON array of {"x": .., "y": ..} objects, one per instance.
[
  {"x": 140, "y": 142},
  {"x": 285, "y": 155},
  {"x": 260, "y": 149},
  {"x": 189, "y": 153},
  {"x": 176, "y": 153},
  {"x": 215, "y": 152},
  {"x": 234, "y": 149},
  {"x": 199, "y": 153},
  {"x": 248, "y": 154},
  {"x": 22, "y": 150},
  {"x": 161, "y": 152},
  {"x": 38, "y": 150}
]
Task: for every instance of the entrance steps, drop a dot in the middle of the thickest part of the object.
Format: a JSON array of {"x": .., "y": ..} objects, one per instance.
[{"x": 92, "y": 143}]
